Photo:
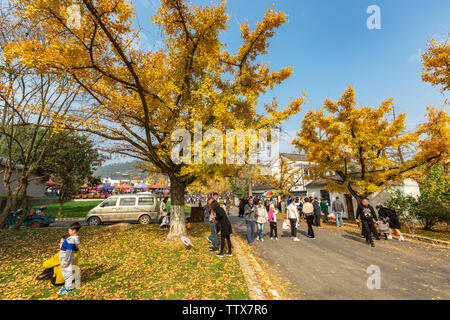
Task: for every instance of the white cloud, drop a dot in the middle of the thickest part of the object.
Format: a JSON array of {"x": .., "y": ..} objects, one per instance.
[{"x": 416, "y": 56}]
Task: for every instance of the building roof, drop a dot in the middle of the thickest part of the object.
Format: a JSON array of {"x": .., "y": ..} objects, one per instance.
[
  {"x": 294, "y": 156},
  {"x": 261, "y": 186},
  {"x": 4, "y": 162}
]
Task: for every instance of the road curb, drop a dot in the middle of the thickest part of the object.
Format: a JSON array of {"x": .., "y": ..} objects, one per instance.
[{"x": 251, "y": 279}]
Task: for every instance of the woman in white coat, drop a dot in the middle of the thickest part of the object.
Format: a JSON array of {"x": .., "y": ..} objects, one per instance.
[
  {"x": 292, "y": 215},
  {"x": 261, "y": 219}
]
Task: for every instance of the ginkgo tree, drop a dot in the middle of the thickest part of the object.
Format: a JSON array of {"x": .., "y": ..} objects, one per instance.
[
  {"x": 286, "y": 175},
  {"x": 436, "y": 63},
  {"x": 140, "y": 96},
  {"x": 349, "y": 146}
]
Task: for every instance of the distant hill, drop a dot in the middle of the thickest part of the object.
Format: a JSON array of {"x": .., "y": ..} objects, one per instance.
[{"x": 122, "y": 167}]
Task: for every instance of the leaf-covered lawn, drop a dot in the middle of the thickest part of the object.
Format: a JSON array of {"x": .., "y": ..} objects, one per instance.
[{"x": 121, "y": 262}]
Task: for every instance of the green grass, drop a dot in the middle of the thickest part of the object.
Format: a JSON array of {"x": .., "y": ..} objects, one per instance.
[
  {"x": 73, "y": 209},
  {"x": 121, "y": 262},
  {"x": 79, "y": 209}
]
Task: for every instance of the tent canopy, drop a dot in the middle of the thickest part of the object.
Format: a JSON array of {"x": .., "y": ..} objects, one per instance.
[
  {"x": 158, "y": 186},
  {"x": 124, "y": 187},
  {"x": 51, "y": 183},
  {"x": 106, "y": 188},
  {"x": 140, "y": 186}
]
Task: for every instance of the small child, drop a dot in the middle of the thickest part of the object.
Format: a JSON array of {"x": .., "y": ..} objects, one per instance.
[
  {"x": 272, "y": 214},
  {"x": 67, "y": 256},
  {"x": 383, "y": 227}
]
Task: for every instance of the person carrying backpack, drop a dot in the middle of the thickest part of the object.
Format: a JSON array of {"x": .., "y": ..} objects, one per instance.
[{"x": 308, "y": 211}]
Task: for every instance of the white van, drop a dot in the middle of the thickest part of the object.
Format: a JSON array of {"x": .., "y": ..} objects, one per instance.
[{"x": 136, "y": 207}]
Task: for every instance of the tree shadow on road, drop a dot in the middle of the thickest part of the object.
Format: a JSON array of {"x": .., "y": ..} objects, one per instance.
[{"x": 351, "y": 235}]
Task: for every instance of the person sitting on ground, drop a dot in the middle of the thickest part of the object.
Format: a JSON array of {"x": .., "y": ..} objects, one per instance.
[
  {"x": 164, "y": 216},
  {"x": 52, "y": 267}
]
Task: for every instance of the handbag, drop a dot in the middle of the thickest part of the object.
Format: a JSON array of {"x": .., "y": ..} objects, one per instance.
[{"x": 286, "y": 224}]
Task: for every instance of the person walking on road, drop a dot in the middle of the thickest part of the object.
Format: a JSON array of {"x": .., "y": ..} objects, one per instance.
[
  {"x": 250, "y": 220},
  {"x": 292, "y": 215},
  {"x": 324, "y": 209},
  {"x": 261, "y": 220},
  {"x": 338, "y": 209},
  {"x": 317, "y": 212},
  {"x": 308, "y": 212},
  {"x": 272, "y": 217},
  {"x": 366, "y": 214},
  {"x": 228, "y": 205},
  {"x": 221, "y": 218}
]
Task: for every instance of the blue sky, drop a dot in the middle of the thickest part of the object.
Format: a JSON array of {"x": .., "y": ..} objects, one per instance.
[{"x": 330, "y": 47}]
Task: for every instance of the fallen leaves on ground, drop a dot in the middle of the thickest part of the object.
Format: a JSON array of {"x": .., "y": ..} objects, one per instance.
[{"x": 135, "y": 262}]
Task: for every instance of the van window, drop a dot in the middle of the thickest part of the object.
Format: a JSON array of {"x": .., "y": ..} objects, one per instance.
[
  {"x": 111, "y": 202},
  {"x": 147, "y": 201},
  {"x": 124, "y": 202}
]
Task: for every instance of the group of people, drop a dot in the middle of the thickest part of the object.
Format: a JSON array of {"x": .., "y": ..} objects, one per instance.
[
  {"x": 386, "y": 220},
  {"x": 258, "y": 212},
  {"x": 59, "y": 269},
  {"x": 257, "y": 215}
]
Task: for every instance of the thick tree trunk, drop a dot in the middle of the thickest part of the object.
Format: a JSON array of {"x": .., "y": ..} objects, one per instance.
[
  {"x": 11, "y": 198},
  {"x": 177, "y": 216},
  {"x": 11, "y": 201}
]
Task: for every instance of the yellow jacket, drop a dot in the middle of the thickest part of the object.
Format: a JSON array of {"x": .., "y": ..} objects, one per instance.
[{"x": 55, "y": 263}]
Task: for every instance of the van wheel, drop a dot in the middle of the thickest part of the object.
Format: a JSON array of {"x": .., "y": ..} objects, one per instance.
[
  {"x": 145, "y": 219},
  {"x": 94, "y": 221}
]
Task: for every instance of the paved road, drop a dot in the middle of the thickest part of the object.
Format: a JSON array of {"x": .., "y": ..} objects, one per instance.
[{"x": 333, "y": 266}]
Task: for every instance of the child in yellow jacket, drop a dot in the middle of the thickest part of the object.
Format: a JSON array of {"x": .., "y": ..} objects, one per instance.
[{"x": 52, "y": 268}]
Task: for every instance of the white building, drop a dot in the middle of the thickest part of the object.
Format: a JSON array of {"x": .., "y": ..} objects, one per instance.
[{"x": 308, "y": 188}]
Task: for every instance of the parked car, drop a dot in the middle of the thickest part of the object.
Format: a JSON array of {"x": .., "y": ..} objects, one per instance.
[
  {"x": 139, "y": 207},
  {"x": 34, "y": 221}
]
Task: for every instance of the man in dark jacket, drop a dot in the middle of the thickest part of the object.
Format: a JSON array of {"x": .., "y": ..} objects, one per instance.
[
  {"x": 317, "y": 212},
  {"x": 366, "y": 214}
]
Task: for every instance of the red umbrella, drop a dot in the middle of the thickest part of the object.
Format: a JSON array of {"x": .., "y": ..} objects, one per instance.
[{"x": 51, "y": 183}]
